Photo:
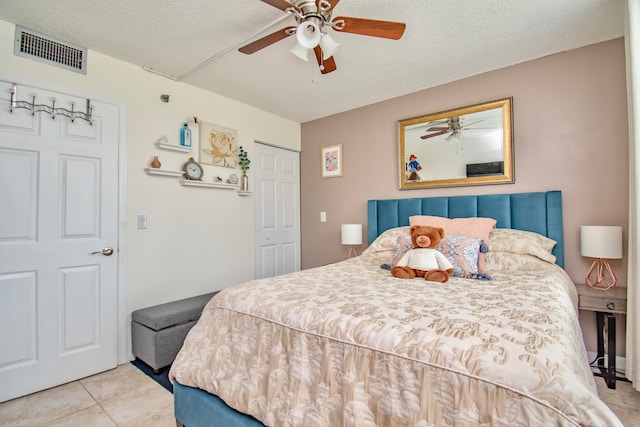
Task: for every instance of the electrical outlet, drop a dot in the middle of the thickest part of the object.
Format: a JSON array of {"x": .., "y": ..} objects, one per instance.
[
  {"x": 142, "y": 222},
  {"x": 323, "y": 217}
]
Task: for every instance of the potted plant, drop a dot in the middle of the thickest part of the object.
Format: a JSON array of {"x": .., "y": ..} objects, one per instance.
[{"x": 244, "y": 166}]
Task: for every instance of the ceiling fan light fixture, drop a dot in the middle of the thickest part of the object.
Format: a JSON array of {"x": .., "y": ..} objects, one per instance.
[
  {"x": 308, "y": 34},
  {"x": 328, "y": 45},
  {"x": 301, "y": 52},
  {"x": 312, "y": 18}
]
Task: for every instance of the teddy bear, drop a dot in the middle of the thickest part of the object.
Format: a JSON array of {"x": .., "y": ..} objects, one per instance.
[{"x": 424, "y": 260}]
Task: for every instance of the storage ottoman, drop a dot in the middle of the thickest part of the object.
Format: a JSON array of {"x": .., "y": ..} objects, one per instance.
[{"x": 157, "y": 332}]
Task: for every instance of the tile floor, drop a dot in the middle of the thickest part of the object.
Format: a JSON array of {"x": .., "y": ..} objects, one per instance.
[
  {"x": 126, "y": 397},
  {"x": 120, "y": 397},
  {"x": 624, "y": 401}
]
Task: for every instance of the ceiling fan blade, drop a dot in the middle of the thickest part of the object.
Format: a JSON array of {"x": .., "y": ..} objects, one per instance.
[
  {"x": 436, "y": 122},
  {"x": 280, "y": 4},
  {"x": 434, "y": 134},
  {"x": 327, "y": 65},
  {"x": 437, "y": 128},
  {"x": 469, "y": 124},
  {"x": 266, "y": 41},
  {"x": 371, "y": 27}
]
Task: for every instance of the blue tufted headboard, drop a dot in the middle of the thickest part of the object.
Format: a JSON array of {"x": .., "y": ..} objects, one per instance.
[{"x": 540, "y": 212}]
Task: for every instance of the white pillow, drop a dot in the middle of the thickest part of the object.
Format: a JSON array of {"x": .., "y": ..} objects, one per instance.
[
  {"x": 387, "y": 240},
  {"x": 522, "y": 242}
]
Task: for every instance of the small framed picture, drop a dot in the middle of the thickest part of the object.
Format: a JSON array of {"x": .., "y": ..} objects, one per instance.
[{"x": 332, "y": 161}]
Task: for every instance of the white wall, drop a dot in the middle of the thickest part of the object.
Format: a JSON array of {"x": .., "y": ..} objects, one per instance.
[{"x": 199, "y": 239}]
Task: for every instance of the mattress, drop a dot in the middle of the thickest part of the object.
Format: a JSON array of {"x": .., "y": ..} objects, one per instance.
[{"x": 347, "y": 344}]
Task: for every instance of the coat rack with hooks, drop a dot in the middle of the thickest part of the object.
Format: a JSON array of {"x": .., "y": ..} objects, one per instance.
[{"x": 53, "y": 110}]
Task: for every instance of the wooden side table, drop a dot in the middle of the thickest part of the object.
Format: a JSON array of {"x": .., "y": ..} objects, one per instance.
[{"x": 607, "y": 305}]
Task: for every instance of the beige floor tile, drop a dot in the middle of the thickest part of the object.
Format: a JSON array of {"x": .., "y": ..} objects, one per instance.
[
  {"x": 623, "y": 395},
  {"x": 93, "y": 416},
  {"x": 148, "y": 404},
  {"x": 121, "y": 380},
  {"x": 155, "y": 420},
  {"x": 45, "y": 407},
  {"x": 629, "y": 417}
]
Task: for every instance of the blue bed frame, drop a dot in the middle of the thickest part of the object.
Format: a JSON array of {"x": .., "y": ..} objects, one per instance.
[{"x": 540, "y": 212}]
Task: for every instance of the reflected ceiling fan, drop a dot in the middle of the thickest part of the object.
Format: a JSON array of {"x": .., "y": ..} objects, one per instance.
[
  {"x": 453, "y": 125},
  {"x": 313, "y": 18}
]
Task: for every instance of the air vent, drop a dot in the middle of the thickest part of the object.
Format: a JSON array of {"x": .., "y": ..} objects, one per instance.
[{"x": 43, "y": 48}]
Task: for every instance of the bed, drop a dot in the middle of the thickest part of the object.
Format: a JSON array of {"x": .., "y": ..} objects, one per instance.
[{"x": 347, "y": 344}]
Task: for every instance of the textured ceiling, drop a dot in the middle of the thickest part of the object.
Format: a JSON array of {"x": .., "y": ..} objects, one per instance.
[{"x": 444, "y": 41}]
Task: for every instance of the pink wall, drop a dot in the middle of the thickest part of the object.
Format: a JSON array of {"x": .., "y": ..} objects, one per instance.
[{"x": 570, "y": 134}]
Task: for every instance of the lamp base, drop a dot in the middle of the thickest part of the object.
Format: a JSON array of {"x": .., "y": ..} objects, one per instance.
[
  {"x": 603, "y": 277},
  {"x": 351, "y": 252}
]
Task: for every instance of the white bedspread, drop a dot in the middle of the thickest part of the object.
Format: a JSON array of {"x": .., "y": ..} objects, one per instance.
[{"x": 347, "y": 344}]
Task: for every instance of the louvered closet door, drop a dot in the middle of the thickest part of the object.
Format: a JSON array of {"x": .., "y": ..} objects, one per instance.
[{"x": 58, "y": 204}]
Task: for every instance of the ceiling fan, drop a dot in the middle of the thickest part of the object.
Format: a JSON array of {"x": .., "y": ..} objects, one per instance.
[
  {"x": 313, "y": 18},
  {"x": 453, "y": 125}
]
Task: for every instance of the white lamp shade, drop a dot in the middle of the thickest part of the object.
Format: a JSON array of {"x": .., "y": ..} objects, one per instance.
[
  {"x": 308, "y": 34},
  {"x": 301, "y": 52},
  {"x": 328, "y": 45},
  {"x": 351, "y": 234},
  {"x": 601, "y": 241}
]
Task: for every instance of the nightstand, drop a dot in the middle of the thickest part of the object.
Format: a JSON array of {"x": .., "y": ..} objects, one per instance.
[{"x": 607, "y": 305}]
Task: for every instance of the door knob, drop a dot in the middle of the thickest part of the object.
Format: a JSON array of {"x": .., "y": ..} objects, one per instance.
[{"x": 105, "y": 252}]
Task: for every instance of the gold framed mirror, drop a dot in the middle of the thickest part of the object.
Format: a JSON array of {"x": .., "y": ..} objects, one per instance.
[{"x": 471, "y": 145}]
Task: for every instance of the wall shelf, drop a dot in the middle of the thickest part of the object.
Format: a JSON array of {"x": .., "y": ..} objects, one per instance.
[
  {"x": 163, "y": 172},
  {"x": 190, "y": 183},
  {"x": 172, "y": 147}
]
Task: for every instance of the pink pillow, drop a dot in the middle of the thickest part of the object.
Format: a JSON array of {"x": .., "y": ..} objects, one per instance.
[{"x": 472, "y": 227}]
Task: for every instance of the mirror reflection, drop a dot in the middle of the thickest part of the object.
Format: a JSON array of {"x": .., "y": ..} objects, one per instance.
[{"x": 471, "y": 145}]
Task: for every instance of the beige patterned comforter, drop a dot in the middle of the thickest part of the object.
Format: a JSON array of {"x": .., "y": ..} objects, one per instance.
[{"x": 349, "y": 345}]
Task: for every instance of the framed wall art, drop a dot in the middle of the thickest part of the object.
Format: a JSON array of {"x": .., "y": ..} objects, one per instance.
[
  {"x": 218, "y": 145},
  {"x": 331, "y": 161}
]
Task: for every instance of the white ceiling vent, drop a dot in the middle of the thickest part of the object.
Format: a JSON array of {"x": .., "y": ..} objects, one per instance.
[{"x": 40, "y": 47}]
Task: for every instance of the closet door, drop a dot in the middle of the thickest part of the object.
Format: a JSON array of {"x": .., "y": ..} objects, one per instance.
[{"x": 277, "y": 210}]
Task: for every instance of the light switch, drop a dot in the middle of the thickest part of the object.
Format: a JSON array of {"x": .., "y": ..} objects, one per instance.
[
  {"x": 323, "y": 217},
  {"x": 142, "y": 222}
]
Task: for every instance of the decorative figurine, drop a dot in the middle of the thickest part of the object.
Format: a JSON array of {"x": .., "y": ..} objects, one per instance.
[{"x": 155, "y": 163}]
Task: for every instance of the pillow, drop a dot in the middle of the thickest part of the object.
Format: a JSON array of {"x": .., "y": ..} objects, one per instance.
[
  {"x": 509, "y": 262},
  {"x": 387, "y": 240},
  {"x": 403, "y": 245},
  {"x": 471, "y": 227},
  {"x": 462, "y": 251},
  {"x": 522, "y": 242}
]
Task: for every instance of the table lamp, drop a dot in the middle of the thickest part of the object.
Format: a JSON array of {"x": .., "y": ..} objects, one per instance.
[
  {"x": 351, "y": 235},
  {"x": 601, "y": 242}
]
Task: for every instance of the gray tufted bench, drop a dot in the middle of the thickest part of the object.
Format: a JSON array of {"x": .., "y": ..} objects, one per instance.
[{"x": 157, "y": 332}]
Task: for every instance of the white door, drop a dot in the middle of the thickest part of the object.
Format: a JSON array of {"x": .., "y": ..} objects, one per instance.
[
  {"x": 58, "y": 205},
  {"x": 277, "y": 211}
]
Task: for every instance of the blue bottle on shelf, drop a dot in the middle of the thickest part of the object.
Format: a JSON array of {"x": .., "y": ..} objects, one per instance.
[{"x": 185, "y": 136}]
